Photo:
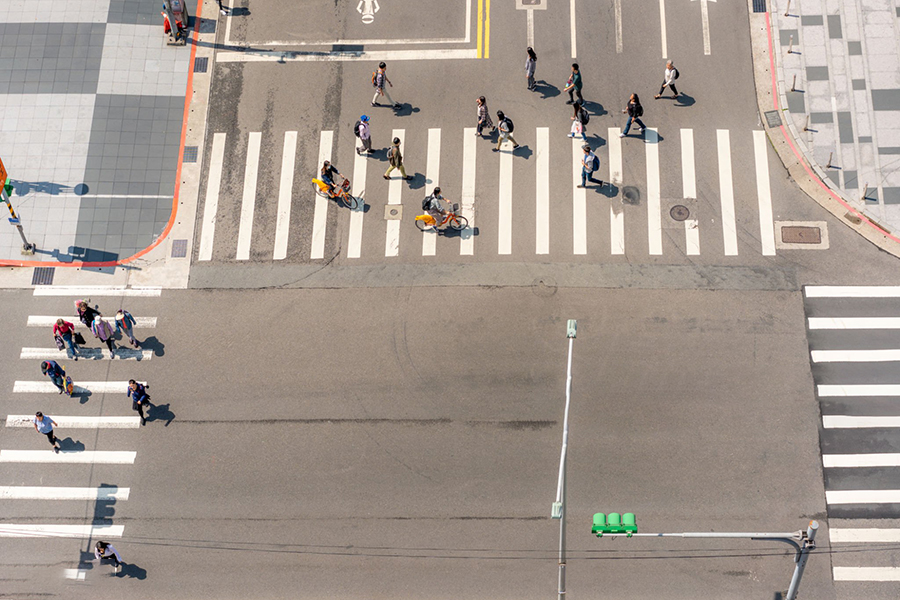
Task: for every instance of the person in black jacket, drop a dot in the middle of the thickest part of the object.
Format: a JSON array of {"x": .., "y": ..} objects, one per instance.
[
  {"x": 86, "y": 314},
  {"x": 635, "y": 111}
]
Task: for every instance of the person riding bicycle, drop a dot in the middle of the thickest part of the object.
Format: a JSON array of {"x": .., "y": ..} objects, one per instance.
[
  {"x": 433, "y": 206},
  {"x": 327, "y": 173}
]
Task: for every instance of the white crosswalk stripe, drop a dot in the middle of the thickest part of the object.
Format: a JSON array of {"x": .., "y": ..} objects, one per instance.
[
  {"x": 285, "y": 193},
  {"x": 40, "y": 492},
  {"x": 78, "y": 422},
  {"x": 726, "y": 193},
  {"x": 654, "y": 208},
  {"x": 689, "y": 190},
  {"x": 395, "y": 192},
  {"x": 467, "y": 192},
  {"x": 505, "y": 202},
  {"x": 542, "y": 191},
  {"x": 93, "y": 457},
  {"x": 50, "y": 321},
  {"x": 317, "y": 250},
  {"x": 90, "y": 291},
  {"x": 81, "y": 387},
  {"x": 616, "y": 212},
  {"x": 88, "y": 353},
  {"x": 432, "y": 180},
  {"x": 354, "y": 242},
  {"x": 16, "y": 530}
]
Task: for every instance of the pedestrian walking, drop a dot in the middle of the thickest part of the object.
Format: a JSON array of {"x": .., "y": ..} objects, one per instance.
[
  {"x": 85, "y": 313},
  {"x": 589, "y": 164},
  {"x": 139, "y": 398},
  {"x": 104, "y": 332},
  {"x": 379, "y": 78},
  {"x": 635, "y": 111},
  {"x": 505, "y": 125},
  {"x": 106, "y": 551},
  {"x": 579, "y": 121},
  {"x": 484, "y": 117},
  {"x": 222, "y": 10},
  {"x": 530, "y": 65},
  {"x": 669, "y": 78},
  {"x": 45, "y": 425},
  {"x": 56, "y": 373},
  {"x": 361, "y": 130},
  {"x": 65, "y": 331},
  {"x": 396, "y": 159},
  {"x": 574, "y": 85},
  {"x": 125, "y": 325}
]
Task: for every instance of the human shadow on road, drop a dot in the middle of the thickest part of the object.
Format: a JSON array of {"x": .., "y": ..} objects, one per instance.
[
  {"x": 523, "y": 151},
  {"x": 160, "y": 412},
  {"x": 547, "y": 90},
  {"x": 70, "y": 445},
  {"x": 132, "y": 571},
  {"x": 684, "y": 100},
  {"x": 405, "y": 109},
  {"x": 154, "y": 345},
  {"x": 594, "y": 108},
  {"x": 607, "y": 189}
]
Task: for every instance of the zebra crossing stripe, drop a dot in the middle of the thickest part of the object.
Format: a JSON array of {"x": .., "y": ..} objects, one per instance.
[
  {"x": 616, "y": 212},
  {"x": 97, "y": 387},
  {"x": 432, "y": 180},
  {"x": 16, "y": 530},
  {"x": 858, "y": 422},
  {"x": 860, "y": 389},
  {"x": 504, "y": 237},
  {"x": 654, "y": 202},
  {"x": 866, "y": 573},
  {"x": 689, "y": 190},
  {"x": 852, "y": 291},
  {"x": 79, "y": 422},
  {"x": 320, "y": 216},
  {"x": 211, "y": 204},
  {"x": 285, "y": 193},
  {"x": 395, "y": 192},
  {"x": 27, "y": 492},
  {"x": 841, "y": 535},
  {"x": 248, "y": 200},
  {"x": 726, "y": 193},
  {"x": 88, "y": 353},
  {"x": 764, "y": 194},
  {"x": 50, "y": 321},
  {"x": 97, "y": 290},
  {"x": 97, "y": 457},
  {"x": 862, "y": 496},
  {"x": 823, "y": 356},
  {"x": 467, "y": 194},
  {"x": 76, "y": 574},
  {"x": 542, "y": 191},
  {"x": 579, "y": 201},
  {"x": 354, "y": 242},
  {"x": 883, "y": 459},
  {"x": 854, "y": 322}
]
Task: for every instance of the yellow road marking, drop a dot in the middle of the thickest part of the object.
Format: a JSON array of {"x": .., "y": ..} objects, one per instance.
[
  {"x": 480, "y": 26},
  {"x": 487, "y": 29}
]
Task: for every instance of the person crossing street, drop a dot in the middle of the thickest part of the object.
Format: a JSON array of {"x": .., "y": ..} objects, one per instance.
[
  {"x": 505, "y": 126},
  {"x": 379, "y": 78},
  {"x": 57, "y": 375},
  {"x": 139, "y": 398},
  {"x": 396, "y": 159},
  {"x": 45, "y": 425}
]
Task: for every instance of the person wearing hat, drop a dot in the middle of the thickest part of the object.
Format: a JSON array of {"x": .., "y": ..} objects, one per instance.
[
  {"x": 379, "y": 78},
  {"x": 51, "y": 369},
  {"x": 396, "y": 159},
  {"x": 362, "y": 132},
  {"x": 589, "y": 164},
  {"x": 45, "y": 425}
]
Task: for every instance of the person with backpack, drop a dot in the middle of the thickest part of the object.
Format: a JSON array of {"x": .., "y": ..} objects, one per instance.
[
  {"x": 396, "y": 159},
  {"x": 589, "y": 164},
  {"x": 574, "y": 85},
  {"x": 379, "y": 78},
  {"x": 361, "y": 130},
  {"x": 484, "y": 117},
  {"x": 635, "y": 111},
  {"x": 125, "y": 325},
  {"x": 579, "y": 121},
  {"x": 505, "y": 125},
  {"x": 65, "y": 331},
  {"x": 139, "y": 398},
  {"x": 433, "y": 206},
  {"x": 669, "y": 78},
  {"x": 530, "y": 65},
  {"x": 56, "y": 373}
]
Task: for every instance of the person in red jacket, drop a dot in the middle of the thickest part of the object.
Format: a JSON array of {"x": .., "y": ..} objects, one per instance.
[{"x": 66, "y": 331}]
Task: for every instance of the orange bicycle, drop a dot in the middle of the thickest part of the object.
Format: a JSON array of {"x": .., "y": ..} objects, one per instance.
[
  {"x": 341, "y": 192},
  {"x": 452, "y": 220}
]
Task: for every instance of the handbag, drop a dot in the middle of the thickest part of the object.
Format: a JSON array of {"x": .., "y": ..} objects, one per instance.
[
  {"x": 79, "y": 339},
  {"x": 60, "y": 344}
]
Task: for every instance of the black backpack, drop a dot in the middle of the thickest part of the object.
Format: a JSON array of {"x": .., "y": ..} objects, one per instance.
[
  {"x": 509, "y": 124},
  {"x": 677, "y": 73},
  {"x": 426, "y": 203},
  {"x": 356, "y": 128},
  {"x": 638, "y": 110},
  {"x": 584, "y": 117}
]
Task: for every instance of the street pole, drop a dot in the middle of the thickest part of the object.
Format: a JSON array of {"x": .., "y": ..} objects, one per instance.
[
  {"x": 558, "y": 510},
  {"x": 809, "y": 544},
  {"x": 27, "y": 249}
]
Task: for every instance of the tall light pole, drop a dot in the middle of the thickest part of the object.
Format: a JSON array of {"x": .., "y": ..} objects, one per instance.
[{"x": 558, "y": 510}]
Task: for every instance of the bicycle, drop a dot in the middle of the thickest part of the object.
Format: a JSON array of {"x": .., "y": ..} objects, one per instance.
[
  {"x": 341, "y": 192},
  {"x": 452, "y": 220}
]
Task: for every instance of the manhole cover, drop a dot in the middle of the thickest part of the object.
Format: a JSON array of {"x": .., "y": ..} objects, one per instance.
[
  {"x": 797, "y": 234},
  {"x": 680, "y": 212},
  {"x": 773, "y": 118},
  {"x": 393, "y": 212},
  {"x": 631, "y": 195}
]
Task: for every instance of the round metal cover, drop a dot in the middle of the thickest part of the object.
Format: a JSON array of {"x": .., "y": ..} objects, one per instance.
[{"x": 680, "y": 212}]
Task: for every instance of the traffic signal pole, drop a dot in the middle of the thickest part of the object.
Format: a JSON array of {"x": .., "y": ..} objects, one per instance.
[
  {"x": 27, "y": 248},
  {"x": 558, "y": 510}
]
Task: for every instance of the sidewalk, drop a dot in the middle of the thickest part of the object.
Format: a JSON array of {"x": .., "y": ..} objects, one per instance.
[{"x": 844, "y": 110}]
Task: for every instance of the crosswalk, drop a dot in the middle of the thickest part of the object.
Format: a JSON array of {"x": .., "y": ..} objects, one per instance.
[
  {"x": 516, "y": 203},
  {"x": 854, "y": 336},
  {"x": 22, "y": 451}
]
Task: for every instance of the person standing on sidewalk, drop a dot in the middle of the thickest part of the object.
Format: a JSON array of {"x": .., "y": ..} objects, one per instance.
[
  {"x": 139, "y": 398},
  {"x": 574, "y": 85},
  {"x": 45, "y": 425},
  {"x": 530, "y": 66},
  {"x": 589, "y": 164},
  {"x": 396, "y": 160},
  {"x": 379, "y": 78},
  {"x": 635, "y": 111},
  {"x": 125, "y": 325},
  {"x": 57, "y": 375},
  {"x": 364, "y": 135},
  {"x": 66, "y": 331},
  {"x": 579, "y": 121},
  {"x": 104, "y": 332},
  {"x": 669, "y": 78},
  {"x": 484, "y": 117},
  {"x": 106, "y": 551},
  {"x": 505, "y": 125}
]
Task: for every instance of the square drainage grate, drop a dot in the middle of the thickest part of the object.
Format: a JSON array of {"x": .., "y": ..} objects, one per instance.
[
  {"x": 179, "y": 248},
  {"x": 201, "y": 63},
  {"x": 43, "y": 276},
  {"x": 190, "y": 154},
  {"x": 773, "y": 118},
  {"x": 759, "y": 6},
  {"x": 798, "y": 234}
]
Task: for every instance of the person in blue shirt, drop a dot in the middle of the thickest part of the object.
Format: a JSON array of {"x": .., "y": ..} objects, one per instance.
[
  {"x": 45, "y": 425},
  {"x": 139, "y": 398},
  {"x": 57, "y": 375}
]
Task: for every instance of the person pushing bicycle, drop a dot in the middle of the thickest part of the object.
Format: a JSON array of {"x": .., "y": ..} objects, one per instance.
[
  {"x": 433, "y": 206},
  {"x": 328, "y": 172}
]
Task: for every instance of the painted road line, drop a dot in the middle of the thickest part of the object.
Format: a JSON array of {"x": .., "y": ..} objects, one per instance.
[
  {"x": 79, "y": 422},
  {"x": 704, "y": 17},
  {"x": 618, "y": 9},
  {"x": 88, "y": 353},
  {"x": 654, "y": 202},
  {"x": 78, "y": 574},
  {"x": 726, "y": 193},
  {"x": 285, "y": 56},
  {"x": 432, "y": 180},
  {"x": 763, "y": 192},
  {"x": 579, "y": 201},
  {"x": 852, "y": 291},
  {"x": 542, "y": 191},
  {"x": 248, "y": 201},
  {"x": 840, "y": 535},
  {"x": 27, "y": 492},
  {"x": 866, "y": 573},
  {"x": 16, "y": 530},
  {"x": 467, "y": 195},
  {"x": 50, "y": 321},
  {"x": 504, "y": 238},
  {"x": 354, "y": 242},
  {"x": 320, "y": 216},
  {"x": 859, "y": 389},
  {"x": 68, "y": 457},
  {"x": 572, "y": 23},
  {"x": 285, "y": 191},
  {"x": 854, "y": 322},
  {"x": 616, "y": 219},
  {"x": 487, "y": 28},
  {"x": 662, "y": 27},
  {"x": 858, "y": 422},
  {"x": 479, "y": 31},
  {"x": 823, "y": 356},
  {"x": 843, "y": 461},
  {"x": 395, "y": 191},
  {"x": 862, "y": 496},
  {"x": 97, "y": 290},
  {"x": 211, "y": 204},
  {"x": 96, "y": 387},
  {"x": 529, "y": 27},
  {"x": 689, "y": 190}
]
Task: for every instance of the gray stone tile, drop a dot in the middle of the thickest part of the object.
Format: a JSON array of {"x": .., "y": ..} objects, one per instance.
[
  {"x": 882, "y": 149},
  {"x": 851, "y": 181},
  {"x": 804, "y": 20},
  {"x": 858, "y": 84},
  {"x": 796, "y": 103},
  {"x": 886, "y": 99},
  {"x": 834, "y": 176},
  {"x": 146, "y": 227},
  {"x": 853, "y": 49},
  {"x": 817, "y": 117},
  {"x": 845, "y": 127},
  {"x": 891, "y": 195}
]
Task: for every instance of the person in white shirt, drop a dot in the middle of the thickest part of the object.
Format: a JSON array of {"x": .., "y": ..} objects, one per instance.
[
  {"x": 669, "y": 80},
  {"x": 589, "y": 164},
  {"x": 364, "y": 136},
  {"x": 106, "y": 551}
]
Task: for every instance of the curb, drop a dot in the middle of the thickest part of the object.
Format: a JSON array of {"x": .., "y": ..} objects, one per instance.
[{"x": 806, "y": 173}]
